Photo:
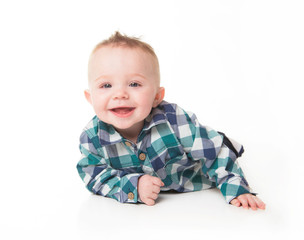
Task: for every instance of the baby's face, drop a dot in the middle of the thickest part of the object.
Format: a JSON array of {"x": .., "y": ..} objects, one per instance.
[{"x": 124, "y": 86}]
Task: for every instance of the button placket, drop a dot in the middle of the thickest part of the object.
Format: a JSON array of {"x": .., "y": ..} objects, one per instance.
[
  {"x": 128, "y": 144},
  {"x": 142, "y": 156}
]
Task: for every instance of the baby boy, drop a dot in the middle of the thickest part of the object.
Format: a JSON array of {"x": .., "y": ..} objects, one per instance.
[{"x": 138, "y": 144}]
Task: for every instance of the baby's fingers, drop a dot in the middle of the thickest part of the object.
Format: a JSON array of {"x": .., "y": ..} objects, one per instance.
[
  {"x": 244, "y": 201},
  {"x": 235, "y": 202},
  {"x": 252, "y": 203},
  {"x": 149, "y": 201},
  {"x": 260, "y": 203},
  {"x": 157, "y": 182},
  {"x": 156, "y": 189}
]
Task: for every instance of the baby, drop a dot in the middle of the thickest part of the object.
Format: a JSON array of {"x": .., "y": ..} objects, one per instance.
[{"x": 138, "y": 144}]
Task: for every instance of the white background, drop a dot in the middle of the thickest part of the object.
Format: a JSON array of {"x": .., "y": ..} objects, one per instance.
[{"x": 237, "y": 64}]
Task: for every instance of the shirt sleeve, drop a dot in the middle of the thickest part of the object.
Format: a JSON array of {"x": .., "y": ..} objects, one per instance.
[
  {"x": 218, "y": 154},
  {"x": 100, "y": 178}
]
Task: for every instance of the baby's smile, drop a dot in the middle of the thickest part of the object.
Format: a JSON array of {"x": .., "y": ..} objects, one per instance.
[{"x": 123, "y": 112}]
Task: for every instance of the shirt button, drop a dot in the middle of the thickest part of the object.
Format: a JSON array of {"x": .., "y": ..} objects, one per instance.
[
  {"x": 131, "y": 195},
  {"x": 128, "y": 144},
  {"x": 142, "y": 156}
]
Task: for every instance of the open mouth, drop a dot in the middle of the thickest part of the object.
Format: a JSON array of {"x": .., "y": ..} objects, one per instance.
[{"x": 123, "y": 111}]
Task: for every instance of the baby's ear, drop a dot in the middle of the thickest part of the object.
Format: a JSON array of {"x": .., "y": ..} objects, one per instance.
[
  {"x": 159, "y": 97},
  {"x": 87, "y": 95}
]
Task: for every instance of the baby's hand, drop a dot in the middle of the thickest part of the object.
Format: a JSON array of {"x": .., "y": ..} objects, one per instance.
[
  {"x": 149, "y": 188},
  {"x": 248, "y": 200}
]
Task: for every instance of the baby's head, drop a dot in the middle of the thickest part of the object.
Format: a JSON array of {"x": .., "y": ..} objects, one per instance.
[{"x": 124, "y": 82}]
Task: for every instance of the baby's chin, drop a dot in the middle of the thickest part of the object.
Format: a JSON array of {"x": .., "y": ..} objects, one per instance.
[{"x": 126, "y": 124}]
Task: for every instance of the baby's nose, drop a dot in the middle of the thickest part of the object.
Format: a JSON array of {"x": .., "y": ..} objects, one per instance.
[{"x": 121, "y": 94}]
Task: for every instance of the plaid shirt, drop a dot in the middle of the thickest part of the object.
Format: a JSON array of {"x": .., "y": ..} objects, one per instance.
[{"x": 172, "y": 146}]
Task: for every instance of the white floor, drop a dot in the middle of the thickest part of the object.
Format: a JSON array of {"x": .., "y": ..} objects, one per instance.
[{"x": 83, "y": 216}]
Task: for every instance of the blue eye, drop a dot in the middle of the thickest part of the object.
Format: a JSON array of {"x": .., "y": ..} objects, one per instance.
[
  {"x": 134, "y": 84},
  {"x": 107, "y": 85}
]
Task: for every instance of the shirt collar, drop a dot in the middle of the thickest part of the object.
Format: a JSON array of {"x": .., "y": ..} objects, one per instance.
[
  {"x": 156, "y": 117},
  {"x": 108, "y": 135}
]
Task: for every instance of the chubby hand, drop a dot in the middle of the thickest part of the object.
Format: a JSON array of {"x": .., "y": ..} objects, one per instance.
[
  {"x": 248, "y": 200},
  {"x": 149, "y": 188}
]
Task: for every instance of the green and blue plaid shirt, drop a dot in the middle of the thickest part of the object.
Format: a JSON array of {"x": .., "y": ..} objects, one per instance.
[{"x": 172, "y": 145}]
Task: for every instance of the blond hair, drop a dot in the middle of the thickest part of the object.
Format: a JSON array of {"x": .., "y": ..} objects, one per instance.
[{"x": 119, "y": 40}]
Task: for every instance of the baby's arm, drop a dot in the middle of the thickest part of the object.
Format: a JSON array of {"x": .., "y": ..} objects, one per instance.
[
  {"x": 149, "y": 188},
  {"x": 100, "y": 178},
  {"x": 248, "y": 200}
]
